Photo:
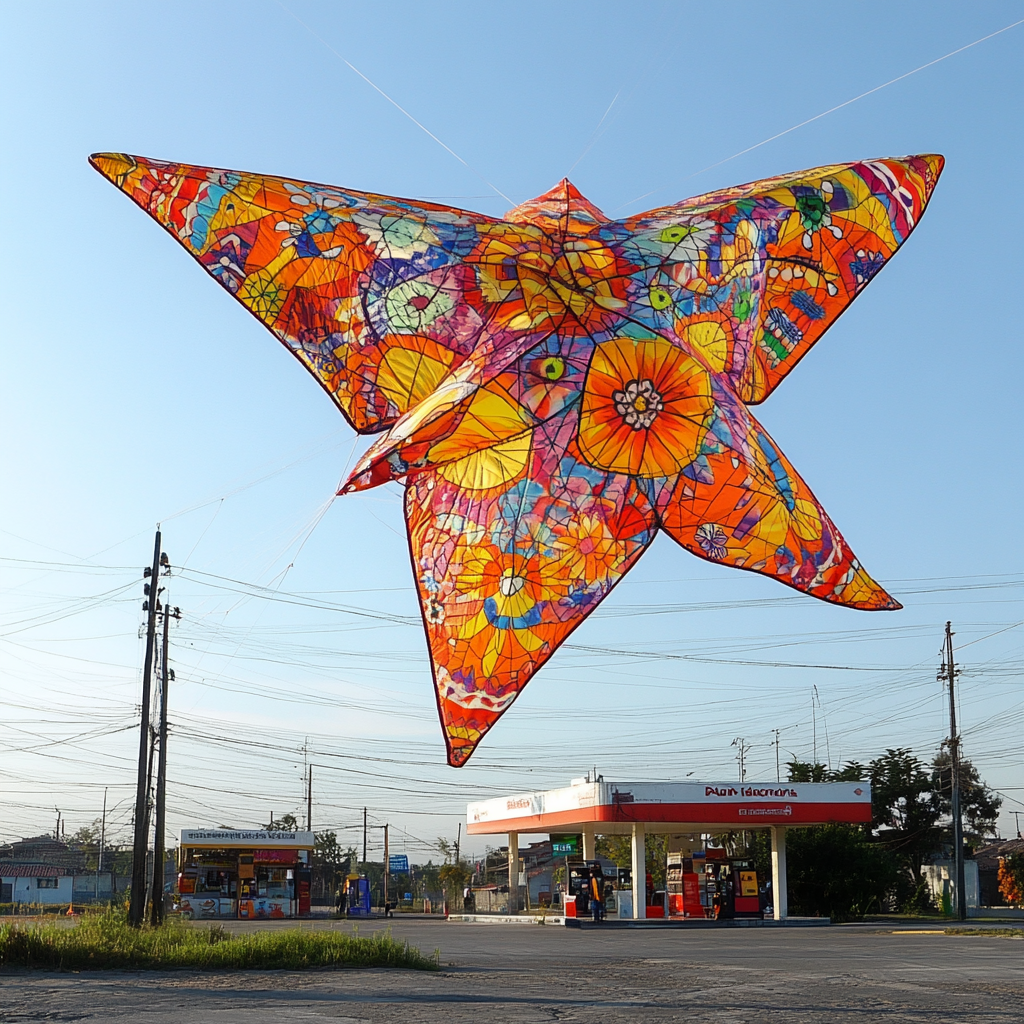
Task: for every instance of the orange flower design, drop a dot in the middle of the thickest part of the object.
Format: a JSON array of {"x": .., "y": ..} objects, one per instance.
[{"x": 645, "y": 405}]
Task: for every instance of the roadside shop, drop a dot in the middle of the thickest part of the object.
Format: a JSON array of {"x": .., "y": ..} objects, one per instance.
[
  {"x": 702, "y": 881},
  {"x": 244, "y": 874}
]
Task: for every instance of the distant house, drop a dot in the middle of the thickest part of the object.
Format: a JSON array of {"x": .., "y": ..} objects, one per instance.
[
  {"x": 43, "y": 870},
  {"x": 35, "y": 883},
  {"x": 988, "y": 868},
  {"x": 43, "y": 850}
]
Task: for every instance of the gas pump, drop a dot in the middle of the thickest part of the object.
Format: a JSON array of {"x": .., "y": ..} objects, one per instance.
[
  {"x": 579, "y": 884},
  {"x": 685, "y": 881},
  {"x": 358, "y": 891},
  {"x": 746, "y": 898},
  {"x": 732, "y": 889}
]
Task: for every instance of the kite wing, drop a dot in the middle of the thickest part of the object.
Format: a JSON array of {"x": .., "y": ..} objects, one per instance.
[
  {"x": 512, "y": 547},
  {"x": 741, "y": 503},
  {"x": 749, "y": 278},
  {"x": 372, "y": 294}
]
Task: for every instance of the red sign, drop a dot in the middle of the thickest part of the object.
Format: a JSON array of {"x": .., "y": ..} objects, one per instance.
[{"x": 274, "y": 856}]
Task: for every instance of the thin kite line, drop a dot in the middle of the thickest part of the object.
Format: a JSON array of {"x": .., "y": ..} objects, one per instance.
[
  {"x": 831, "y": 110},
  {"x": 595, "y": 135},
  {"x": 394, "y": 103}
]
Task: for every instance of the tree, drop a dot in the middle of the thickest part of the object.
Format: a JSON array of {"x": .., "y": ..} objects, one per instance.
[
  {"x": 619, "y": 850},
  {"x": 978, "y": 804},
  {"x": 453, "y": 875},
  {"x": 1011, "y": 879},
  {"x": 286, "y": 823},
  {"x": 836, "y": 871},
  {"x": 87, "y": 839},
  {"x": 804, "y": 771},
  {"x": 330, "y": 863}
]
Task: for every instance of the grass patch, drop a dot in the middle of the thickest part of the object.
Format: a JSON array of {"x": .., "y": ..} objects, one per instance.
[
  {"x": 107, "y": 942},
  {"x": 1003, "y": 933}
]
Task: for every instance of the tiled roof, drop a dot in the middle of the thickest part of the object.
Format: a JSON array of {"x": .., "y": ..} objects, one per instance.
[
  {"x": 31, "y": 871},
  {"x": 988, "y": 856}
]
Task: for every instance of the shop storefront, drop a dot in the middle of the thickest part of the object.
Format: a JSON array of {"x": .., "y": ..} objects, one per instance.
[
  {"x": 701, "y": 880},
  {"x": 224, "y": 873}
]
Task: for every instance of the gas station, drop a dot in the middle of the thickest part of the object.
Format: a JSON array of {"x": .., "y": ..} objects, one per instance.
[{"x": 684, "y": 811}]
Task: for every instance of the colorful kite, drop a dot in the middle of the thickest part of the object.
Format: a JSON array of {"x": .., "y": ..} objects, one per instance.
[{"x": 556, "y": 387}]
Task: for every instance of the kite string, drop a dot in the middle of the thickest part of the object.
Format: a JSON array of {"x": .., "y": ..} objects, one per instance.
[
  {"x": 832, "y": 110},
  {"x": 394, "y": 103},
  {"x": 595, "y": 135}
]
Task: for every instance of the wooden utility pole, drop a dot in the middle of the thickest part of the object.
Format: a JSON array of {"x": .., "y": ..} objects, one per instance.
[
  {"x": 157, "y": 910},
  {"x": 954, "y": 777},
  {"x": 137, "y": 904}
]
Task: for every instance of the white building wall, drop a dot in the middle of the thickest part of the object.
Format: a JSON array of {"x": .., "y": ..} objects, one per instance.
[
  {"x": 24, "y": 890},
  {"x": 939, "y": 877}
]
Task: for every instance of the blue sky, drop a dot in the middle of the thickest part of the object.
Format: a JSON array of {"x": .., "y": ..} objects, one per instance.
[{"x": 135, "y": 391}]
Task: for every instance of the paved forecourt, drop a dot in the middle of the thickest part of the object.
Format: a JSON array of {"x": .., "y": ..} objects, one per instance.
[{"x": 860, "y": 973}]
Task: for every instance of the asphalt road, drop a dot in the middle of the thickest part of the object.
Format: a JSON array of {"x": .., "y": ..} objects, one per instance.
[{"x": 529, "y": 974}]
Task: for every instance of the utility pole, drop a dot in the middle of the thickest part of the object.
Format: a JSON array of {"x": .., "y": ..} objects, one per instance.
[
  {"x": 309, "y": 799},
  {"x": 741, "y": 755},
  {"x": 954, "y": 772},
  {"x": 149, "y": 809},
  {"x": 814, "y": 727},
  {"x": 56, "y": 828},
  {"x": 364, "y": 835},
  {"x": 137, "y": 905},
  {"x": 824, "y": 722},
  {"x": 458, "y": 842},
  {"x": 778, "y": 773},
  {"x": 157, "y": 912},
  {"x": 103, "y": 840},
  {"x": 387, "y": 868}
]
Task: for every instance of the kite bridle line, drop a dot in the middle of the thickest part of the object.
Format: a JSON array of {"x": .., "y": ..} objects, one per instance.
[
  {"x": 394, "y": 103},
  {"x": 825, "y": 113}
]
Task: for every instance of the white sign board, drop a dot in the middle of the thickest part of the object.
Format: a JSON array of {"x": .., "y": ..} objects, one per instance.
[{"x": 262, "y": 839}]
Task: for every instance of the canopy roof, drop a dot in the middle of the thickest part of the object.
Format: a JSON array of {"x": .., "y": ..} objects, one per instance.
[{"x": 611, "y": 808}]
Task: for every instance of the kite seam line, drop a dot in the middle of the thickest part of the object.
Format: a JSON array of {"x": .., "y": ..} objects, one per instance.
[
  {"x": 832, "y": 110},
  {"x": 394, "y": 103}
]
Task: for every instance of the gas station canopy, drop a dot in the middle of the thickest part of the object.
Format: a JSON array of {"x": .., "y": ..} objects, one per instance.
[
  {"x": 673, "y": 808},
  {"x": 612, "y": 808}
]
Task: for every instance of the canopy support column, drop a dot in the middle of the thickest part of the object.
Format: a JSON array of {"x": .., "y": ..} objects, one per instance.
[
  {"x": 589, "y": 850},
  {"x": 780, "y": 895},
  {"x": 639, "y": 871},
  {"x": 513, "y": 872}
]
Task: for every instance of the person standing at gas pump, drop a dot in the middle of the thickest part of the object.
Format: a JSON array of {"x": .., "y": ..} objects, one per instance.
[{"x": 596, "y": 897}]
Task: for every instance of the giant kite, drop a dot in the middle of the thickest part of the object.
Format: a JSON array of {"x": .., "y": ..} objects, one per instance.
[{"x": 556, "y": 387}]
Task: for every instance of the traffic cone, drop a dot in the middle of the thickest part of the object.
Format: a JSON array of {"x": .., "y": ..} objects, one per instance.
[{"x": 71, "y": 911}]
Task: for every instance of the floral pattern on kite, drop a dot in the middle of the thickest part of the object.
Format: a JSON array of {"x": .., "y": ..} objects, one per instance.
[{"x": 556, "y": 387}]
